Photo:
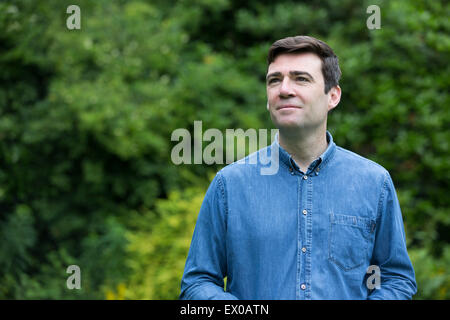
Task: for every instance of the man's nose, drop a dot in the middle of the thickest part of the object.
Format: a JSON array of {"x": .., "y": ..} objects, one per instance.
[{"x": 286, "y": 89}]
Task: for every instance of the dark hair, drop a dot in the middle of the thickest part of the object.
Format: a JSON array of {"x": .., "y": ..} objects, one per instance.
[{"x": 300, "y": 44}]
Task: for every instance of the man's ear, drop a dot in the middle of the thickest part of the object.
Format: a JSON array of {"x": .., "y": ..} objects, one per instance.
[
  {"x": 334, "y": 96},
  {"x": 267, "y": 106}
]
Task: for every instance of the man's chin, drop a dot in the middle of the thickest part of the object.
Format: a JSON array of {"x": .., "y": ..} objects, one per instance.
[{"x": 289, "y": 125}]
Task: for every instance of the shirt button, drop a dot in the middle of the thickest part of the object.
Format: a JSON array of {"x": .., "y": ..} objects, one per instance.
[
  {"x": 303, "y": 249},
  {"x": 305, "y": 177},
  {"x": 305, "y": 211},
  {"x": 303, "y": 286}
]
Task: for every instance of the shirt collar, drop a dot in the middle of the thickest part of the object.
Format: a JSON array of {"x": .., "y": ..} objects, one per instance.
[{"x": 321, "y": 161}]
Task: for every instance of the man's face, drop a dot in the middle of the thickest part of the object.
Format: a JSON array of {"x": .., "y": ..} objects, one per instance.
[{"x": 295, "y": 92}]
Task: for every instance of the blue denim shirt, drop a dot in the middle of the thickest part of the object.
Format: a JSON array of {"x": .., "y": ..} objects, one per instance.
[{"x": 296, "y": 235}]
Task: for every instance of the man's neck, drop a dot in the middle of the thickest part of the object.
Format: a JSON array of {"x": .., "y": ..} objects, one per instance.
[{"x": 304, "y": 147}]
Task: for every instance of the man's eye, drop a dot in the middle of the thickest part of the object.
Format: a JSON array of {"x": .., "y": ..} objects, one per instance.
[
  {"x": 302, "y": 79},
  {"x": 273, "y": 80}
]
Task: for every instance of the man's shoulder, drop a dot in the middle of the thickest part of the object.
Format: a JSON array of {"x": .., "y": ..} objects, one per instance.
[
  {"x": 246, "y": 167},
  {"x": 353, "y": 161},
  {"x": 249, "y": 167}
]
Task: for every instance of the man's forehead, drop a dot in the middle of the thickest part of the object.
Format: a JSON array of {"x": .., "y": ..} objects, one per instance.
[{"x": 287, "y": 62}]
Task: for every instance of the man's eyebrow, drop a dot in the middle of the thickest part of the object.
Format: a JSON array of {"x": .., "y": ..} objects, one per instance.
[
  {"x": 301, "y": 73},
  {"x": 273, "y": 74},
  {"x": 292, "y": 73}
]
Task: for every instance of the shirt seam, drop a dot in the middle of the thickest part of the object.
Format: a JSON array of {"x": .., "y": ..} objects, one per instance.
[
  {"x": 223, "y": 195},
  {"x": 382, "y": 197},
  {"x": 223, "y": 192}
]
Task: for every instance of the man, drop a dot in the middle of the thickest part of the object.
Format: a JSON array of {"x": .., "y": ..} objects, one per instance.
[{"x": 312, "y": 229}]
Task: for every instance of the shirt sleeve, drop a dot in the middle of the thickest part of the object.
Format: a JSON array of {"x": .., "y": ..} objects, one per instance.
[
  {"x": 390, "y": 253},
  {"x": 206, "y": 264}
]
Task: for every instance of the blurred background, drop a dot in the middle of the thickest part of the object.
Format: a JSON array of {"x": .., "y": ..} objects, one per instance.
[{"x": 86, "y": 118}]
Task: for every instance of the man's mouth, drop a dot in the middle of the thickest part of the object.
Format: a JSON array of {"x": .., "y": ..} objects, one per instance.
[{"x": 288, "y": 106}]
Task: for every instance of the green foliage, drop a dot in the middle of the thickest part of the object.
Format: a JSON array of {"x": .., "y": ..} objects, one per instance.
[
  {"x": 86, "y": 118},
  {"x": 432, "y": 276},
  {"x": 159, "y": 246}
]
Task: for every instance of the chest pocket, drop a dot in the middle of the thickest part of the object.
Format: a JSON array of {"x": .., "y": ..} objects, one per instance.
[{"x": 349, "y": 239}]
